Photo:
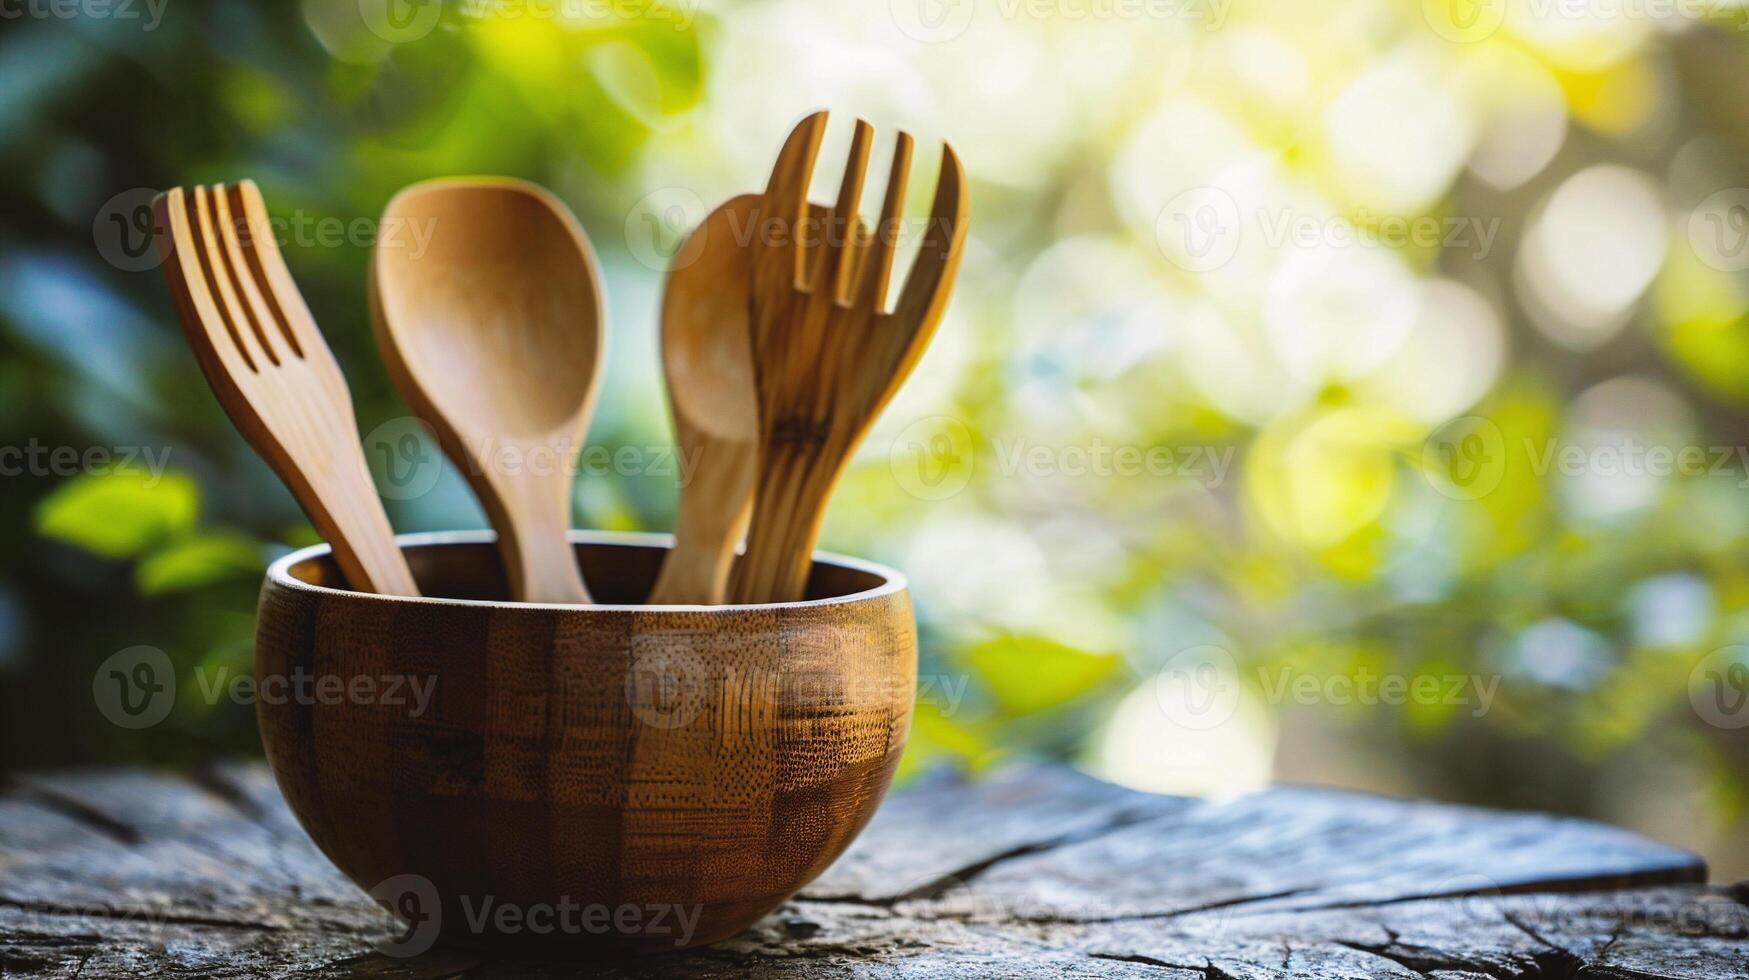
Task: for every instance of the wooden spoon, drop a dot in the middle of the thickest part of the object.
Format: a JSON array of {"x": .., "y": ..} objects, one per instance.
[
  {"x": 492, "y": 333},
  {"x": 827, "y": 353},
  {"x": 266, "y": 361},
  {"x": 709, "y": 369},
  {"x": 708, "y": 363}
]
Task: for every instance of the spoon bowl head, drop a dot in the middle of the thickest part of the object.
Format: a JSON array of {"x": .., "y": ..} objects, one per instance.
[
  {"x": 706, "y": 346},
  {"x": 490, "y": 293}
]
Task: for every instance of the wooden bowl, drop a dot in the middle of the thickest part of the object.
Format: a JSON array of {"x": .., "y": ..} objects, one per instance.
[{"x": 697, "y": 762}]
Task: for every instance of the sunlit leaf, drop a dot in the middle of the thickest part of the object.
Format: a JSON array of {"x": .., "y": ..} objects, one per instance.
[
  {"x": 938, "y": 738},
  {"x": 198, "y": 560},
  {"x": 1031, "y": 673},
  {"x": 121, "y": 513}
]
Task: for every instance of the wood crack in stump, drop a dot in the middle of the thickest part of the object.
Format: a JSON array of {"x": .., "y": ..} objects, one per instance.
[
  {"x": 143, "y": 916},
  {"x": 966, "y": 874},
  {"x": 77, "y": 811},
  {"x": 1551, "y": 886},
  {"x": 215, "y": 783},
  {"x": 1208, "y": 970},
  {"x": 1424, "y": 961}
]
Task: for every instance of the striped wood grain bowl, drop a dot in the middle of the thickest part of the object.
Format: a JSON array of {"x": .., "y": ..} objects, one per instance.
[{"x": 693, "y": 764}]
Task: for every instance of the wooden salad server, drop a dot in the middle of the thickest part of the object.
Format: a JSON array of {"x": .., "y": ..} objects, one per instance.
[
  {"x": 493, "y": 336},
  {"x": 827, "y": 352},
  {"x": 709, "y": 369},
  {"x": 266, "y": 361}
]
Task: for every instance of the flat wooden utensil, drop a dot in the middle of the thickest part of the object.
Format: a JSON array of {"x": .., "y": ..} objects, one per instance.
[
  {"x": 708, "y": 363},
  {"x": 827, "y": 354},
  {"x": 493, "y": 336},
  {"x": 271, "y": 370}
]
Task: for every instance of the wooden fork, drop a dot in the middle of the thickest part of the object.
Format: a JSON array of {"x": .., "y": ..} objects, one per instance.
[
  {"x": 276, "y": 378},
  {"x": 827, "y": 353}
]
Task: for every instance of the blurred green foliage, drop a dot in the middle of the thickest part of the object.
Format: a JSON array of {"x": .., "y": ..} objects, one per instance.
[{"x": 1318, "y": 517}]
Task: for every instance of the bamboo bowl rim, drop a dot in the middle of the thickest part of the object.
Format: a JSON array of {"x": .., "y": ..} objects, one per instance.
[{"x": 279, "y": 574}]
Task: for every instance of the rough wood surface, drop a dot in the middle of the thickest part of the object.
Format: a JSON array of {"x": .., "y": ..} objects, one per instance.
[{"x": 1034, "y": 871}]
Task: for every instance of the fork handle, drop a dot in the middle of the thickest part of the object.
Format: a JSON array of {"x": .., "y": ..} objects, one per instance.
[
  {"x": 349, "y": 515},
  {"x": 788, "y": 508}
]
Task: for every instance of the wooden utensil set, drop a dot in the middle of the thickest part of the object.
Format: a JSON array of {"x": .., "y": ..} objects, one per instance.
[{"x": 778, "y": 347}]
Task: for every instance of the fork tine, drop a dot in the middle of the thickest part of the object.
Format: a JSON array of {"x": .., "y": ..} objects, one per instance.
[
  {"x": 205, "y": 246},
  {"x": 242, "y": 236},
  {"x": 228, "y": 278},
  {"x": 931, "y": 276},
  {"x": 241, "y": 278},
  {"x": 879, "y": 263},
  {"x": 225, "y": 279},
  {"x": 262, "y": 252},
  {"x": 208, "y": 329},
  {"x": 839, "y": 250},
  {"x": 786, "y": 196}
]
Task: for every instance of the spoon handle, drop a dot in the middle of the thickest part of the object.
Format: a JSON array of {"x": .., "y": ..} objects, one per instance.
[
  {"x": 547, "y": 572},
  {"x": 716, "y": 500},
  {"x": 534, "y": 524}
]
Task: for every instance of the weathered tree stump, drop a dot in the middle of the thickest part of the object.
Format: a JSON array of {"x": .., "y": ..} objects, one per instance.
[{"x": 1034, "y": 871}]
